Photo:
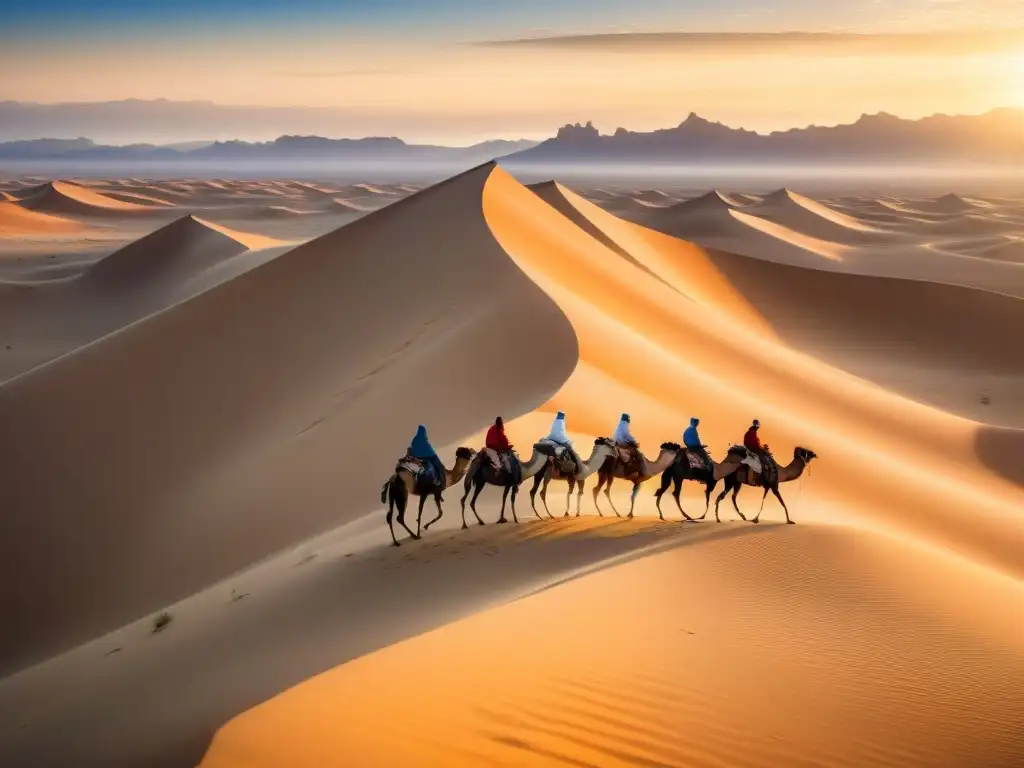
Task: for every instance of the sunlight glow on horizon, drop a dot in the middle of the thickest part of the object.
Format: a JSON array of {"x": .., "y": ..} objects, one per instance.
[{"x": 413, "y": 67}]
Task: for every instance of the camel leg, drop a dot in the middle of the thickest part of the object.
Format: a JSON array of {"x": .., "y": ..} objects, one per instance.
[
  {"x": 666, "y": 481},
  {"x": 419, "y": 516},
  {"x": 515, "y": 491},
  {"x": 544, "y": 496},
  {"x": 608, "y": 494},
  {"x": 568, "y": 495},
  {"x": 401, "y": 500},
  {"x": 775, "y": 490},
  {"x": 736, "y": 492},
  {"x": 472, "y": 503},
  {"x": 533, "y": 492},
  {"x": 757, "y": 517},
  {"x": 632, "y": 499},
  {"x": 709, "y": 486},
  {"x": 718, "y": 499},
  {"x": 579, "y": 496},
  {"x": 597, "y": 489},
  {"x": 391, "y": 512},
  {"x": 462, "y": 503},
  {"x": 504, "y": 498},
  {"x": 677, "y": 493}
]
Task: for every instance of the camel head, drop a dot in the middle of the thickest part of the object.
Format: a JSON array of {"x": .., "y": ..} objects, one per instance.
[
  {"x": 671, "y": 447},
  {"x": 466, "y": 454},
  {"x": 607, "y": 442},
  {"x": 804, "y": 454}
]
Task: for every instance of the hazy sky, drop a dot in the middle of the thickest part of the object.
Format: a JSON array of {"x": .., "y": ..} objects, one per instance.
[{"x": 423, "y": 69}]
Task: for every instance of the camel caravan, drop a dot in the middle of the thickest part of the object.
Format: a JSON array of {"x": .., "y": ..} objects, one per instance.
[{"x": 553, "y": 458}]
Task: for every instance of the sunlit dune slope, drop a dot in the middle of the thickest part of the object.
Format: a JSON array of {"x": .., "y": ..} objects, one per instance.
[
  {"x": 810, "y": 646},
  {"x": 661, "y": 357},
  {"x": 276, "y": 402},
  {"x": 800, "y": 213},
  {"x": 16, "y": 221},
  {"x": 61, "y": 197}
]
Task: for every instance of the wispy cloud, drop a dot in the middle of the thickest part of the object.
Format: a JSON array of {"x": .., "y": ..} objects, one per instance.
[
  {"x": 828, "y": 43},
  {"x": 337, "y": 74}
]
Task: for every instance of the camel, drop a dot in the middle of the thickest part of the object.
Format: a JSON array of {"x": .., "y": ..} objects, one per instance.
[
  {"x": 638, "y": 470},
  {"x": 402, "y": 484},
  {"x": 603, "y": 448},
  {"x": 682, "y": 470},
  {"x": 745, "y": 475},
  {"x": 482, "y": 472}
]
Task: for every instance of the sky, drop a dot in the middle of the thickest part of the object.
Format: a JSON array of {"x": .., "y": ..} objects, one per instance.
[{"x": 456, "y": 71}]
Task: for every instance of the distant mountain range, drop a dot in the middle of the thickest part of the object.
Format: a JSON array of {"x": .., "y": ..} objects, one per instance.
[
  {"x": 283, "y": 148},
  {"x": 996, "y": 136},
  {"x": 993, "y": 137}
]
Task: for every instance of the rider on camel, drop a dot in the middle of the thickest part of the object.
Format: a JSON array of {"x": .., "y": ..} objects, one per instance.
[
  {"x": 694, "y": 444},
  {"x": 558, "y": 437},
  {"x": 624, "y": 438},
  {"x": 423, "y": 450},
  {"x": 752, "y": 442},
  {"x": 498, "y": 447}
]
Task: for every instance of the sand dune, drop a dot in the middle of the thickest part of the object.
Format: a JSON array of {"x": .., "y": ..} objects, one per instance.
[
  {"x": 274, "y": 358},
  {"x": 45, "y": 320},
  {"x": 17, "y": 221},
  {"x": 172, "y": 253},
  {"x": 713, "y": 221},
  {"x": 283, "y": 395},
  {"x": 836, "y": 649},
  {"x": 804, "y": 215},
  {"x": 59, "y": 197}
]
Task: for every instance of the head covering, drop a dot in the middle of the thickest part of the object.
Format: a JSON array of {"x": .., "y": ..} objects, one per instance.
[
  {"x": 560, "y": 415},
  {"x": 625, "y": 417},
  {"x": 421, "y": 447},
  {"x": 694, "y": 421},
  {"x": 499, "y": 423},
  {"x": 756, "y": 424}
]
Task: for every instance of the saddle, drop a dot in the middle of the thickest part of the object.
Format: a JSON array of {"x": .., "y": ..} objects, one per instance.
[
  {"x": 423, "y": 478},
  {"x": 629, "y": 457},
  {"x": 694, "y": 460},
  {"x": 560, "y": 457},
  {"x": 411, "y": 464}
]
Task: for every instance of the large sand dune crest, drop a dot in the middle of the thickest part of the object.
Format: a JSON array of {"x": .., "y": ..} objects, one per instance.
[{"x": 235, "y": 409}]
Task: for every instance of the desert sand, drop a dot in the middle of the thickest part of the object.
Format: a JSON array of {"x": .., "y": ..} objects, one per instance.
[{"x": 195, "y": 403}]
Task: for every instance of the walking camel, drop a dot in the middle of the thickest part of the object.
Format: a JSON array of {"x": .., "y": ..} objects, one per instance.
[
  {"x": 482, "y": 472},
  {"x": 638, "y": 469},
  {"x": 688, "y": 466},
  {"x": 745, "y": 475},
  {"x": 402, "y": 484},
  {"x": 603, "y": 448}
]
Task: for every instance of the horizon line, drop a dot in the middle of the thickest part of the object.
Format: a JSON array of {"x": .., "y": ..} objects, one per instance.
[{"x": 863, "y": 115}]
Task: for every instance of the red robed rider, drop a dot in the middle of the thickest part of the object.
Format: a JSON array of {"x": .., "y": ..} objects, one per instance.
[
  {"x": 497, "y": 444},
  {"x": 751, "y": 440}
]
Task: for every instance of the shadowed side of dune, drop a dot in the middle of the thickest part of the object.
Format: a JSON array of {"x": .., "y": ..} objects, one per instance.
[
  {"x": 39, "y": 322},
  {"x": 915, "y": 321},
  {"x": 272, "y": 406},
  {"x": 175, "y": 251},
  {"x": 1003, "y": 451}
]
